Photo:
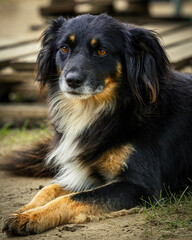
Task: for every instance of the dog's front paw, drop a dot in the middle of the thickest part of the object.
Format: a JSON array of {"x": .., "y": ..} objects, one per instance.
[
  {"x": 37, "y": 220},
  {"x": 23, "y": 224}
]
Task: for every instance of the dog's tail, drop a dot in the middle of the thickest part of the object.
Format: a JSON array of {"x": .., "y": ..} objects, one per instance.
[{"x": 29, "y": 162}]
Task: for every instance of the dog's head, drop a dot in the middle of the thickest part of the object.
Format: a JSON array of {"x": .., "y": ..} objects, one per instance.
[{"x": 90, "y": 56}]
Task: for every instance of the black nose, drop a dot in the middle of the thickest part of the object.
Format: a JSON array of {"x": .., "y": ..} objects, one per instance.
[{"x": 73, "y": 80}]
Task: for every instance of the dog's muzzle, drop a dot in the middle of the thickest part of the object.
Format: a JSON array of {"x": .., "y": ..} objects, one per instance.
[{"x": 73, "y": 80}]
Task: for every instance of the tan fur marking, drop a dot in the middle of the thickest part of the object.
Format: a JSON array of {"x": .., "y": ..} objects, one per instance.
[
  {"x": 114, "y": 160},
  {"x": 58, "y": 71},
  {"x": 119, "y": 70},
  {"x": 154, "y": 92},
  {"x": 62, "y": 210},
  {"x": 108, "y": 94},
  {"x": 72, "y": 38},
  {"x": 93, "y": 41},
  {"x": 110, "y": 86},
  {"x": 44, "y": 196}
]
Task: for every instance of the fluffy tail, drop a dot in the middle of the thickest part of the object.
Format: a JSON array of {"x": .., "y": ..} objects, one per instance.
[{"x": 29, "y": 162}]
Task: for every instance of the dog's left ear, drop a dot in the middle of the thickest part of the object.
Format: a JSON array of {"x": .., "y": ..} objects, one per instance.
[{"x": 146, "y": 63}]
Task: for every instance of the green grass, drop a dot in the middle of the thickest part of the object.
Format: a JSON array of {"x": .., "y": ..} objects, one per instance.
[
  {"x": 23, "y": 135},
  {"x": 171, "y": 214}
]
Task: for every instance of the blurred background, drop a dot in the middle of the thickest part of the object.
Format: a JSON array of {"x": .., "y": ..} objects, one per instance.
[{"x": 23, "y": 21}]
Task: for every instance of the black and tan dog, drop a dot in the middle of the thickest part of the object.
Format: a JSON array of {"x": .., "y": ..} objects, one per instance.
[{"x": 122, "y": 124}]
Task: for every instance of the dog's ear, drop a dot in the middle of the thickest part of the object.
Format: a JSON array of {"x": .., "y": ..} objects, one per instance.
[
  {"x": 46, "y": 60},
  {"x": 146, "y": 63}
]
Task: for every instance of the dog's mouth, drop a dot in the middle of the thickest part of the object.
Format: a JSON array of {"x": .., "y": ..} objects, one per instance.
[
  {"x": 74, "y": 93},
  {"x": 77, "y": 95},
  {"x": 82, "y": 95}
]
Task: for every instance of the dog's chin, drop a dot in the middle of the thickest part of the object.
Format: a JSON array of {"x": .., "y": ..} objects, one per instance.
[
  {"x": 81, "y": 95},
  {"x": 74, "y": 95}
]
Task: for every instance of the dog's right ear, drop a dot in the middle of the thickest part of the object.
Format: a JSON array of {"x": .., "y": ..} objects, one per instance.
[{"x": 46, "y": 61}]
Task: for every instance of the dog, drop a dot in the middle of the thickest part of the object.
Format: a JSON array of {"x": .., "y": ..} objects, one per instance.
[{"x": 122, "y": 124}]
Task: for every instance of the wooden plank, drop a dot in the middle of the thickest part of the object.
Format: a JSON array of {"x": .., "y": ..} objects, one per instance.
[
  {"x": 17, "y": 114},
  {"x": 187, "y": 69},
  {"x": 25, "y": 64},
  {"x": 32, "y": 111},
  {"x": 21, "y": 92},
  {"x": 181, "y": 54},
  {"x": 24, "y": 77},
  {"x": 58, "y": 9},
  {"x": 30, "y": 37},
  {"x": 55, "y": 2},
  {"x": 70, "y": 7},
  {"x": 178, "y": 36},
  {"x": 8, "y": 55},
  {"x": 164, "y": 28}
]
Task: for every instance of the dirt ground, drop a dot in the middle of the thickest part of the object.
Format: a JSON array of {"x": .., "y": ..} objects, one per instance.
[
  {"x": 16, "y": 191},
  {"x": 15, "y": 19}
]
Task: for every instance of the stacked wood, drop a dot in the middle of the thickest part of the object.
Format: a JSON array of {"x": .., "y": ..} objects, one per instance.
[
  {"x": 72, "y": 7},
  {"x": 18, "y": 114},
  {"x": 19, "y": 94},
  {"x": 58, "y": 7},
  {"x": 137, "y": 7},
  {"x": 18, "y": 86},
  {"x": 24, "y": 63}
]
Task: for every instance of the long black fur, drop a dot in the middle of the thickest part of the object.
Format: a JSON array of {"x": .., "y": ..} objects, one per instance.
[{"x": 29, "y": 161}]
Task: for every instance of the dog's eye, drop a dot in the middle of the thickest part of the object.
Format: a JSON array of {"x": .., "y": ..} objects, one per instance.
[
  {"x": 101, "y": 52},
  {"x": 65, "y": 49}
]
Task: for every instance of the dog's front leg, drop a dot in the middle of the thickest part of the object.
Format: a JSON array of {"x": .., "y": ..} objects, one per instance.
[
  {"x": 80, "y": 207},
  {"x": 44, "y": 196}
]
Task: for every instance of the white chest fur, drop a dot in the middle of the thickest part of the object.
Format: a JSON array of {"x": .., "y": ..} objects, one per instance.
[{"x": 71, "y": 117}]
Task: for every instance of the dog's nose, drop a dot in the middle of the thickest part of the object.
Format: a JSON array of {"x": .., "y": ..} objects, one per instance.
[{"x": 73, "y": 80}]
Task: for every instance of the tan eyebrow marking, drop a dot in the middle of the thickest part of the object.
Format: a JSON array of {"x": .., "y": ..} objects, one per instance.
[
  {"x": 93, "y": 41},
  {"x": 72, "y": 38}
]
